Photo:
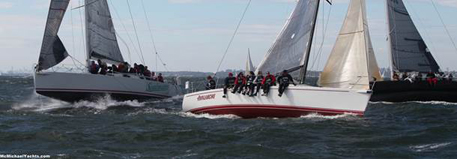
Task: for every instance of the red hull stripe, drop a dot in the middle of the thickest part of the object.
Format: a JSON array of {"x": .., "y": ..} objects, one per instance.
[
  {"x": 100, "y": 91},
  {"x": 253, "y": 111}
]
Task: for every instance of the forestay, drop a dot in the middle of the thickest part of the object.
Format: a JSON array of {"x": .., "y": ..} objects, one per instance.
[
  {"x": 352, "y": 63},
  {"x": 408, "y": 50},
  {"x": 290, "y": 48},
  {"x": 52, "y": 50},
  {"x": 101, "y": 35}
]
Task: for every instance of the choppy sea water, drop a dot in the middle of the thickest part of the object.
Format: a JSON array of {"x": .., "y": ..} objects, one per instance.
[{"x": 31, "y": 124}]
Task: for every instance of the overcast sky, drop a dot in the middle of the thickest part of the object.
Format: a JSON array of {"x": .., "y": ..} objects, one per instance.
[{"x": 191, "y": 35}]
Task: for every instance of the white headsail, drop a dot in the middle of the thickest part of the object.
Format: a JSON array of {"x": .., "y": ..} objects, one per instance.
[
  {"x": 352, "y": 63},
  {"x": 101, "y": 35},
  {"x": 52, "y": 50},
  {"x": 408, "y": 50},
  {"x": 290, "y": 48},
  {"x": 249, "y": 65}
]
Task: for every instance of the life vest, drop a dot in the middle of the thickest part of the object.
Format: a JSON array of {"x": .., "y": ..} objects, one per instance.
[
  {"x": 251, "y": 80},
  {"x": 258, "y": 79},
  {"x": 285, "y": 80},
  {"x": 239, "y": 80},
  {"x": 230, "y": 81}
]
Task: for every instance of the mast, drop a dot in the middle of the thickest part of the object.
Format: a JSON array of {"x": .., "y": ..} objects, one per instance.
[
  {"x": 304, "y": 68},
  {"x": 389, "y": 42},
  {"x": 86, "y": 11}
]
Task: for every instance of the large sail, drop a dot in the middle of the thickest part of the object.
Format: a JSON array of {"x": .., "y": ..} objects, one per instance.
[
  {"x": 408, "y": 50},
  {"x": 101, "y": 35},
  {"x": 52, "y": 50},
  {"x": 352, "y": 63},
  {"x": 289, "y": 49}
]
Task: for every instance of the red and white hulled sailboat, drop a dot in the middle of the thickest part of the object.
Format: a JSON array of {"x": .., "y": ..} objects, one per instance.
[
  {"x": 344, "y": 83},
  {"x": 101, "y": 44}
]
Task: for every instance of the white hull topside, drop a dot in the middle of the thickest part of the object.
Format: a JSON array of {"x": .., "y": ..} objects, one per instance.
[
  {"x": 295, "y": 102},
  {"x": 72, "y": 87}
]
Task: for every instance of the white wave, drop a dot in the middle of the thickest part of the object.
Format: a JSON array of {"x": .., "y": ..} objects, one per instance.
[
  {"x": 329, "y": 117},
  {"x": 40, "y": 104},
  {"x": 43, "y": 104},
  {"x": 106, "y": 102},
  {"x": 207, "y": 116},
  {"x": 429, "y": 147},
  {"x": 383, "y": 102},
  {"x": 435, "y": 102}
]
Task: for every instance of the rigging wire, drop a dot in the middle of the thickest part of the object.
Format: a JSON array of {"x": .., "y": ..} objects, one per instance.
[
  {"x": 233, "y": 36},
  {"x": 136, "y": 33},
  {"x": 126, "y": 31},
  {"x": 320, "y": 50},
  {"x": 445, "y": 27},
  {"x": 152, "y": 38}
]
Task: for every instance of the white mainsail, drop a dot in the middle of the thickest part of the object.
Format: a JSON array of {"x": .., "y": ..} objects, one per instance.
[
  {"x": 249, "y": 65},
  {"x": 352, "y": 63},
  {"x": 52, "y": 50},
  {"x": 100, "y": 32},
  {"x": 408, "y": 50},
  {"x": 290, "y": 48}
]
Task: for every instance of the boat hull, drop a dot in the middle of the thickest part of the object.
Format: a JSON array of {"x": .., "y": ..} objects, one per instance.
[
  {"x": 74, "y": 87},
  {"x": 296, "y": 101},
  {"x": 404, "y": 91}
]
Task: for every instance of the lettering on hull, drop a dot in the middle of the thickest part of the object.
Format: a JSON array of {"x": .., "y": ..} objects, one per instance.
[{"x": 206, "y": 97}]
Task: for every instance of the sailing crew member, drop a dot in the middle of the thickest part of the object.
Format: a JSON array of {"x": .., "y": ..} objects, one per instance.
[
  {"x": 211, "y": 84},
  {"x": 240, "y": 81},
  {"x": 431, "y": 79},
  {"x": 267, "y": 82},
  {"x": 228, "y": 83},
  {"x": 284, "y": 80},
  {"x": 250, "y": 86},
  {"x": 160, "y": 78},
  {"x": 103, "y": 68},
  {"x": 258, "y": 82},
  {"x": 93, "y": 68},
  {"x": 450, "y": 77},
  {"x": 395, "y": 77},
  {"x": 147, "y": 73}
]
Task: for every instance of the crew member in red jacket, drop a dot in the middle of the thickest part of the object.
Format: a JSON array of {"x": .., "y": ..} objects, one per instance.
[
  {"x": 240, "y": 82},
  {"x": 267, "y": 82}
]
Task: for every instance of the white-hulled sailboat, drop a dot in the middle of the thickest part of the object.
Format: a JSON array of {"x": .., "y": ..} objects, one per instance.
[
  {"x": 101, "y": 44},
  {"x": 345, "y": 80}
]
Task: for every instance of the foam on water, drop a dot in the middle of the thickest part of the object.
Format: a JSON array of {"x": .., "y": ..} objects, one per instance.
[
  {"x": 207, "y": 116},
  {"x": 429, "y": 147},
  {"x": 39, "y": 103},
  {"x": 435, "y": 103},
  {"x": 327, "y": 117}
]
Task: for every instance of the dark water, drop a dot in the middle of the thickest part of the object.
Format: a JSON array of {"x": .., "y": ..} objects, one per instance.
[{"x": 106, "y": 129}]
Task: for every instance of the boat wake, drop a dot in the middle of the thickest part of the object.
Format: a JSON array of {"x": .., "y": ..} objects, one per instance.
[{"x": 39, "y": 103}]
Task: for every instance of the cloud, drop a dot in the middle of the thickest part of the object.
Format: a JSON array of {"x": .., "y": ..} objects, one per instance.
[{"x": 6, "y": 5}]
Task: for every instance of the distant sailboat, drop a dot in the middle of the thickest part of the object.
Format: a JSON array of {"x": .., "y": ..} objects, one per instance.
[
  {"x": 410, "y": 54},
  {"x": 101, "y": 44},
  {"x": 291, "y": 52},
  {"x": 249, "y": 65}
]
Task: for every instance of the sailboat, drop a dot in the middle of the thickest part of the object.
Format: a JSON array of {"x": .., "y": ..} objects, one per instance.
[
  {"x": 410, "y": 54},
  {"x": 101, "y": 44},
  {"x": 291, "y": 52},
  {"x": 249, "y": 65}
]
